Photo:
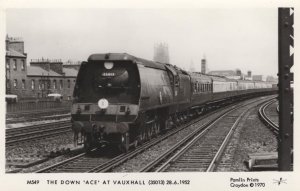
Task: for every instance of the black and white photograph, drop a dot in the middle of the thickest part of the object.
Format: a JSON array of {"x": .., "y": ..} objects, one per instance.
[{"x": 148, "y": 96}]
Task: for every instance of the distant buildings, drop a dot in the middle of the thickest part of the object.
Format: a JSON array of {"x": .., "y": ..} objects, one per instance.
[
  {"x": 161, "y": 53},
  {"x": 232, "y": 74},
  {"x": 41, "y": 78},
  {"x": 258, "y": 78},
  {"x": 50, "y": 76}
]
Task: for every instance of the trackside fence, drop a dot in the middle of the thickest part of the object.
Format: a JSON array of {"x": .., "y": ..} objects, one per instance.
[{"x": 35, "y": 106}]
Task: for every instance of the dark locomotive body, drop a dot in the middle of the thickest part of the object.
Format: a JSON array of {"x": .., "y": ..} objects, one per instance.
[{"x": 123, "y": 100}]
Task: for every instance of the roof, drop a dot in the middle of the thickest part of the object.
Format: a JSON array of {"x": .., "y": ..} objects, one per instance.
[
  {"x": 219, "y": 78},
  {"x": 203, "y": 76},
  {"x": 70, "y": 72},
  {"x": 223, "y": 72},
  {"x": 11, "y": 52},
  {"x": 38, "y": 71},
  {"x": 125, "y": 56}
]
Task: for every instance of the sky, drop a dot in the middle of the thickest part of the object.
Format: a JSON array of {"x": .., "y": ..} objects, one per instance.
[{"x": 229, "y": 39}]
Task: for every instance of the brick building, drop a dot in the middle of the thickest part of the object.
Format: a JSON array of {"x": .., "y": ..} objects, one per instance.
[
  {"x": 41, "y": 78},
  {"x": 16, "y": 68},
  {"x": 50, "y": 76}
]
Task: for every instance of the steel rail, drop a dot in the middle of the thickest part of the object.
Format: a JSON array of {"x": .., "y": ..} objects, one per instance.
[
  {"x": 219, "y": 153},
  {"x": 263, "y": 116},
  {"x": 105, "y": 167},
  {"x": 185, "y": 144},
  {"x": 54, "y": 166},
  {"x": 123, "y": 158},
  {"x": 21, "y": 134},
  {"x": 120, "y": 159}
]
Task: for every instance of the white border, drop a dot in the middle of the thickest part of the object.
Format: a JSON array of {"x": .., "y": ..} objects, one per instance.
[{"x": 200, "y": 181}]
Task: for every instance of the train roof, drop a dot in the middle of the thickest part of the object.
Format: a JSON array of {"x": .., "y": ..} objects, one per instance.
[
  {"x": 125, "y": 56},
  {"x": 203, "y": 76},
  {"x": 218, "y": 78}
]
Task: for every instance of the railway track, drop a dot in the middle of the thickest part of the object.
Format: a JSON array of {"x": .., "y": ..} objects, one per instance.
[
  {"x": 34, "y": 132},
  {"x": 202, "y": 149},
  {"x": 89, "y": 163},
  {"x": 266, "y": 119}
]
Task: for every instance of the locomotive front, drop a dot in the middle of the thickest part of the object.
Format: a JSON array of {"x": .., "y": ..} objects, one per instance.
[{"x": 106, "y": 100}]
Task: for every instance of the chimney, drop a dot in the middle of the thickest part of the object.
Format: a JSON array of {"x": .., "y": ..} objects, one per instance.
[
  {"x": 249, "y": 73},
  {"x": 203, "y": 66}
]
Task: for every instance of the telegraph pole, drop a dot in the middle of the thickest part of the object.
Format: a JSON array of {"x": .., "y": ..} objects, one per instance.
[{"x": 285, "y": 77}]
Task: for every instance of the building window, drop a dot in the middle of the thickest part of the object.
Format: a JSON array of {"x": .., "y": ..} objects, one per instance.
[
  {"x": 23, "y": 65},
  {"x": 40, "y": 84},
  {"x": 48, "y": 84},
  {"x": 7, "y": 64},
  {"x": 43, "y": 86},
  {"x": 15, "y": 84},
  {"x": 15, "y": 64},
  {"x": 54, "y": 84},
  {"x": 32, "y": 84},
  {"x": 7, "y": 83},
  {"x": 61, "y": 84},
  {"x": 69, "y": 83},
  {"x": 23, "y": 84}
]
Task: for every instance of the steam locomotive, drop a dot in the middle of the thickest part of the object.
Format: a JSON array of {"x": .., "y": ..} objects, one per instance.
[{"x": 123, "y": 100}]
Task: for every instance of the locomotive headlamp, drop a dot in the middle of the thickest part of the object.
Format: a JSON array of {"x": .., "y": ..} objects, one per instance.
[
  {"x": 103, "y": 103},
  {"x": 108, "y": 65}
]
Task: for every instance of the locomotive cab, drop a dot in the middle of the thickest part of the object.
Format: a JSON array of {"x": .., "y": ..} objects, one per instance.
[{"x": 106, "y": 98}]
